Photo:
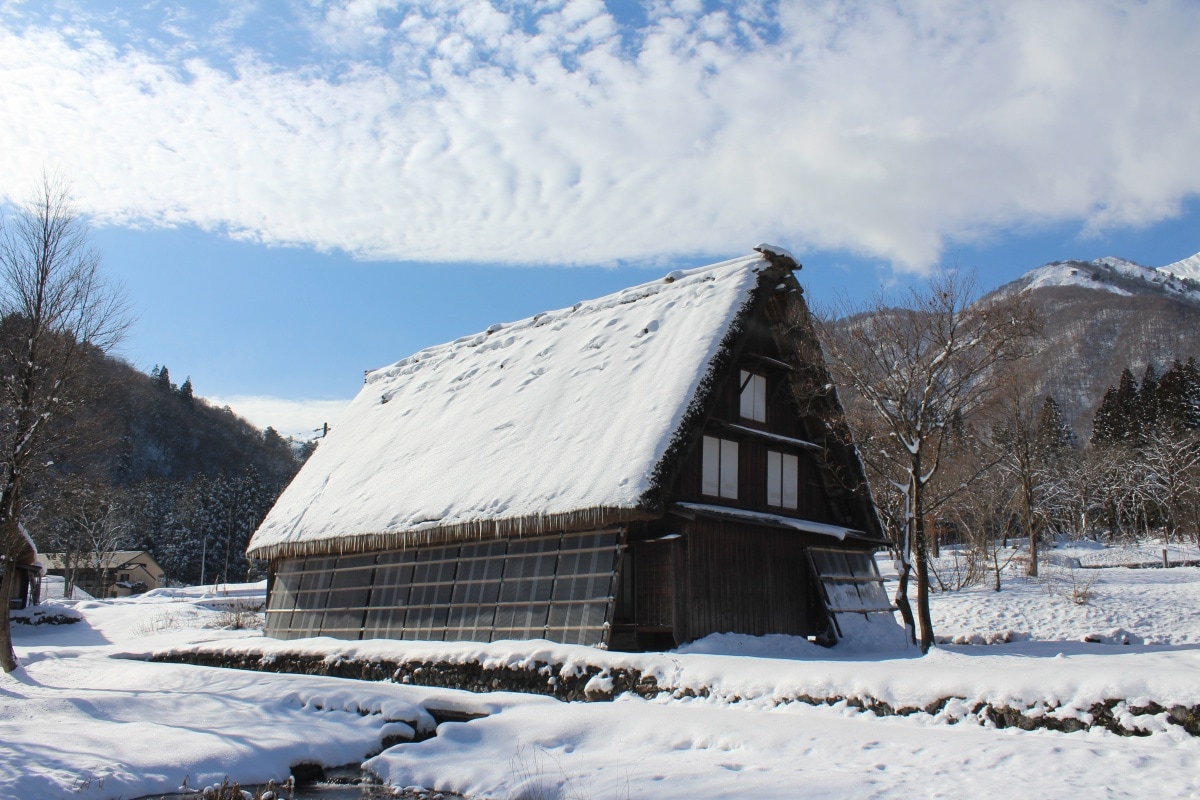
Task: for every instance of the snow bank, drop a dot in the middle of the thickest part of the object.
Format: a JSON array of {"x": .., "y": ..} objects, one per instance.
[{"x": 86, "y": 718}]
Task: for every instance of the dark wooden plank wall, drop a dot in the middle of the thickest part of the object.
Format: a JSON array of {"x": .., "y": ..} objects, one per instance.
[
  {"x": 653, "y": 583},
  {"x": 752, "y": 480},
  {"x": 782, "y": 418},
  {"x": 747, "y": 579},
  {"x": 555, "y": 587}
]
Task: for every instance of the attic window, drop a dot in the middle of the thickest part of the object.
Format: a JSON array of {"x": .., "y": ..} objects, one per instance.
[
  {"x": 720, "y": 473},
  {"x": 783, "y": 473},
  {"x": 754, "y": 396}
]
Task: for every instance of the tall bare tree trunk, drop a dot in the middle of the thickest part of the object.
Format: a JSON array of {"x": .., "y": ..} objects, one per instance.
[
  {"x": 8, "y": 656},
  {"x": 10, "y": 521},
  {"x": 921, "y": 549},
  {"x": 902, "y": 603},
  {"x": 1029, "y": 523}
]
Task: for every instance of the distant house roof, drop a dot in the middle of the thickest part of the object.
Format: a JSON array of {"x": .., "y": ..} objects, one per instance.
[
  {"x": 556, "y": 421},
  {"x": 26, "y": 554},
  {"x": 120, "y": 559}
]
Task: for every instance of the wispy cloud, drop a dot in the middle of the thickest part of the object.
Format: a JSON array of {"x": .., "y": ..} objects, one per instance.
[{"x": 558, "y": 133}]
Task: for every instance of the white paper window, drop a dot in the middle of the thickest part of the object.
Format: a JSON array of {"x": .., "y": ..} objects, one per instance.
[
  {"x": 754, "y": 397},
  {"x": 783, "y": 479},
  {"x": 720, "y": 469},
  {"x": 791, "y": 480}
]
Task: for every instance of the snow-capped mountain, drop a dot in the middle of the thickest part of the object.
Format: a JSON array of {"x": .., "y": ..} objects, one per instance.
[
  {"x": 1117, "y": 276},
  {"x": 1187, "y": 268},
  {"x": 1102, "y": 316}
]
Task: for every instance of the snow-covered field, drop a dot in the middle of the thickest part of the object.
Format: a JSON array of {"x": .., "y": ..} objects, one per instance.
[{"x": 85, "y": 717}]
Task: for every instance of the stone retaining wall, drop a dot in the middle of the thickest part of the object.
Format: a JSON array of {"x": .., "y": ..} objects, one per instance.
[{"x": 595, "y": 684}]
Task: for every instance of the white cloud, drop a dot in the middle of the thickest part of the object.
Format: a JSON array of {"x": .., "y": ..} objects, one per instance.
[
  {"x": 464, "y": 132},
  {"x": 302, "y": 419}
]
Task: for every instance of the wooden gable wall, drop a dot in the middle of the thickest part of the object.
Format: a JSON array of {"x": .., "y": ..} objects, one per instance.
[{"x": 760, "y": 355}]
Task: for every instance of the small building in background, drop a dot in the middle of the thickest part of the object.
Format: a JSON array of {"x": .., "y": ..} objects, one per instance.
[
  {"x": 27, "y": 588},
  {"x": 118, "y": 574},
  {"x": 636, "y": 471}
]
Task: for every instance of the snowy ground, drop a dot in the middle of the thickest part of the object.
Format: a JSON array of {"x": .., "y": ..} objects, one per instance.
[
  {"x": 1072, "y": 600},
  {"x": 84, "y": 718}
]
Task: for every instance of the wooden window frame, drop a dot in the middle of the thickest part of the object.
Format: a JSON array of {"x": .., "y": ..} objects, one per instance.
[
  {"x": 719, "y": 468},
  {"x": 752, "y": 396},
  {"x": 783, "y": 473}
]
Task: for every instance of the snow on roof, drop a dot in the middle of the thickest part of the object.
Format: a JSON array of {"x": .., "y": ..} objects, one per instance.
[
  {"x": 822, "y": 528},
  {"x": 565, "y": 412},
  {"x": 776, "y": 251},
  {"x": 26, "y": 550}
]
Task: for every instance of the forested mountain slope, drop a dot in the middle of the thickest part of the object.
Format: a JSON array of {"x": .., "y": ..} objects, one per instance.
[
  {"x": 1102, "y": 317},
  {"x": 138, "y": 462}
]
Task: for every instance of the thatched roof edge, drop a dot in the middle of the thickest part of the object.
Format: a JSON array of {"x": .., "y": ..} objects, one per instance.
[
  {"x": 470, "y": 531},
  {"x": 815, "y": 393},
  {"x": 700, "y": 408}
]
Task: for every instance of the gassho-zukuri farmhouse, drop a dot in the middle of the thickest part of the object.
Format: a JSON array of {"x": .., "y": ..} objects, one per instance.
[{"x": 636, "y": 471}]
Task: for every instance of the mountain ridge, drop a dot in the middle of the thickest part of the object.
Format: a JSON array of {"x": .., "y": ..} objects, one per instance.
[
  {"x": 1102, "y": 316},
  {"x": 1114, "y": 275}
]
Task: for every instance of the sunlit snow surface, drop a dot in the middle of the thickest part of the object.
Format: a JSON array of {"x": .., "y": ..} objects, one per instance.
[
  {"x": 83, "y": 720},
  {"x": 1068, "y": 274},
  {"x": 1185, "y": 268},
  {"x": 568, "y": 410},
  {"x": 1098, "y": 274}
]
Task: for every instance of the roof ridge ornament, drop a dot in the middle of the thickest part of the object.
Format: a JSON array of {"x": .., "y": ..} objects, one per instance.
[{"x": 778, "y": 257}]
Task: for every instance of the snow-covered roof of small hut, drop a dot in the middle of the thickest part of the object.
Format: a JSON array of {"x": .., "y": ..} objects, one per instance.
[
  {"x": 522, "y": 428},
  {"x": 26, "y": 552}
]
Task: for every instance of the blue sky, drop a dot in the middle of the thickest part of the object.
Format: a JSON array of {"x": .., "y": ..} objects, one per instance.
[{"x": 293, "y": 192}]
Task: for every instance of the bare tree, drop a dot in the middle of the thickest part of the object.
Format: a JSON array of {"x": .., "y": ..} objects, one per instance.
[
  {"x": 1170, "y": 462},
  {"x": 1032, "y": 454},
  {"x": 920, "y": 367},
  {"x": 85, "y": 523},
  {"x": 55, "y": 305},
  {"x": 982, "y": 514}
]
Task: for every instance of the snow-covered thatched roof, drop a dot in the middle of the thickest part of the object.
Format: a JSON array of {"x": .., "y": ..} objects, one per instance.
[
  {"x": 26, "y": 551},
  {"x": 557, "y": 421}
]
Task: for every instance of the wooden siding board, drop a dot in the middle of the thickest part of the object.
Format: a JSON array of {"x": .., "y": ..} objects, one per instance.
[
  {"x": 654, "y": 585},
  {"x": 745, "y": 579},
  {"x": 759, "y": 348}
]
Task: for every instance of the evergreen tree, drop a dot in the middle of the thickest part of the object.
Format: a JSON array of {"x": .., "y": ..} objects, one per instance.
[
  {"x": 185, "y": 391},
  {"x": 1172, "y": 397},
  {"x": 1179, "y": 397},
  {"x": 162, "y": 378},
  {"x": 1128, "y": 428},
  {"x": 1053, "y": 436},
  {"x": 1107, "y": 424},
  {"x": 1118, "y": 418},
  {"x": 275, "y": 442},
  {"x": 1147, "y": 405},
  {"x": 1191, "y": 372}
]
